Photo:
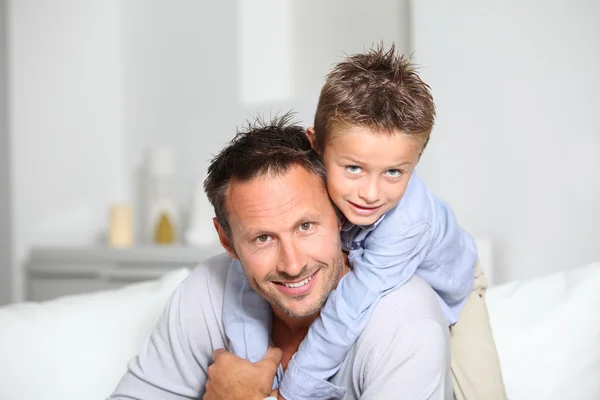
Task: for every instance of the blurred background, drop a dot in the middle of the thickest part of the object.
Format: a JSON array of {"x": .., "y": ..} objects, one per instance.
[{"x": 88, "y": 87}]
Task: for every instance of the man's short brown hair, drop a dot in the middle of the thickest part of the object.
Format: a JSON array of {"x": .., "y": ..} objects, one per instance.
[
  {"x": 379, "y": 90},
  {"x": 260, "y": 148}
]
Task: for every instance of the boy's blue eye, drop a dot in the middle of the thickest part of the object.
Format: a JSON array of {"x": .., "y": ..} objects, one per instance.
[
  {"x": 353, "y": 169},
  {"x": 393, "y": 173}
]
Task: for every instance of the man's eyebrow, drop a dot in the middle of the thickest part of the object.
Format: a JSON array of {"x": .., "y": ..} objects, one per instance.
[
  {"x": 251, "y": 233},
  {"x": 312, "y": 217}
]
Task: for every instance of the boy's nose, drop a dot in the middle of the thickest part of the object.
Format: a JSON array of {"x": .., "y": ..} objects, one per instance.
[{"x": 370, "y": 192}]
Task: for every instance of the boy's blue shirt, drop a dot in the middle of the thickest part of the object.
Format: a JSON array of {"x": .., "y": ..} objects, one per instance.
[{"x": 420, "y": 235}]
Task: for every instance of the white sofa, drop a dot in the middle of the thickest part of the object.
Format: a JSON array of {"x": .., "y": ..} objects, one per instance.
[
  {"x": 547, "y": 332},
  {"x": 76, "y": 348}
]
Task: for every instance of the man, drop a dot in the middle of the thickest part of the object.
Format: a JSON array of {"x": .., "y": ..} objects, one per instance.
[{"x": 273, "y": 214}]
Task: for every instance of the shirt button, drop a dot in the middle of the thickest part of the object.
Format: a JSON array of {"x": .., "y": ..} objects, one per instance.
[{"x": 355, "y": 245}]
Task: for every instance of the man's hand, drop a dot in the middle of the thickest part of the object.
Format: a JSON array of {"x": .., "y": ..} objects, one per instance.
[
  {"x": 233, "y": 378},
  {"x": 275, "y": 393}
]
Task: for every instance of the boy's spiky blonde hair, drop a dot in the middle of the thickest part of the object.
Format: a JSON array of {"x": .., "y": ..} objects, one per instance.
[{"x": 379, "y": 90}]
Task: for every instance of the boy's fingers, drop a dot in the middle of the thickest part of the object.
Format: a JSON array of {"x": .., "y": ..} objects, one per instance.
[{"x": 217, "y": 353}]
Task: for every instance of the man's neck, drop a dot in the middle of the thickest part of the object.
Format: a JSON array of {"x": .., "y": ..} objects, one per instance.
[{"x": 288, "y": 332}]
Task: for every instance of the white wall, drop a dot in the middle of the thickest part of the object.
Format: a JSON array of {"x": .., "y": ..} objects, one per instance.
[
  {"x": 324, "y": 31},
  {"x": 5, "y": 223},
  {"x": 180, "y": 83},
  {"x": 264, "y": 36},
  {"x": 94, "y": 84},
  {"x": 516, "y": 150},
  {"x": 289, "y": 46},
  {"x": 65, "y": 121}
]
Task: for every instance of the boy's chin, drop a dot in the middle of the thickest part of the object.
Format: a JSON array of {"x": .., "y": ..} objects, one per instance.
[{"x": 363, "y": 221}]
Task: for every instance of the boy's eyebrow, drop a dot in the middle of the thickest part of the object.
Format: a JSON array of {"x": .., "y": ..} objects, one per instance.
[
  {"x": 402, "y": 163},
  {"x": 349, "y": 159},
  {"x": 353, "y": 160}
]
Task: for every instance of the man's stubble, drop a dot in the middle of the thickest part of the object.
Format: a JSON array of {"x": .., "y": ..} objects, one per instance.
[{"x": 277, "y": 299}]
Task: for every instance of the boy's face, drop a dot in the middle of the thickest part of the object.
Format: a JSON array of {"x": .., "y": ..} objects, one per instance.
[{"x": 367, "y": 171}]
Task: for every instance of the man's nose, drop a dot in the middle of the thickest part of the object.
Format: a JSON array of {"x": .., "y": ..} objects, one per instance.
[
  {"x": 369, "y": 192},
  {"x": 291, "y": 259}
]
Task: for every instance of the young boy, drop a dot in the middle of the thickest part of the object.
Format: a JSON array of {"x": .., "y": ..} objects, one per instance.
[{"x": 373, "y": 121}]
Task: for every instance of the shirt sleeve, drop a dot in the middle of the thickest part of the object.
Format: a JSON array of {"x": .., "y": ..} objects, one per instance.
[
  {"x": 173, "y": 360},
  {"x": 246, "y": 317},
  {"x": 381, "y": 265}
]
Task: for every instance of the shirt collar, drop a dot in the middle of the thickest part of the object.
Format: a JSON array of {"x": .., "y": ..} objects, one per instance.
[{"x": 368, "y": 228}]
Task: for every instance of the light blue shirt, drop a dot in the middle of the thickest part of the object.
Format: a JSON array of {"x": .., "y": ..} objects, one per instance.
[{"x": 420, "y": 235}]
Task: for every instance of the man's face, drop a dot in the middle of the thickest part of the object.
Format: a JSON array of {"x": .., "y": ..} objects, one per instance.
[{"x": 285, "y": 233}]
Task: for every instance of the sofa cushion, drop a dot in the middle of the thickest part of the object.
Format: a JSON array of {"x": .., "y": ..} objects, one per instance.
[
  {"x": 547, "y": 332},
  {"x": 77, "y": 347}
]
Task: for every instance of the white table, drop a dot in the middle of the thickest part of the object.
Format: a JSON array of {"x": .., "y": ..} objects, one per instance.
[{"x": 56, "y": 271}]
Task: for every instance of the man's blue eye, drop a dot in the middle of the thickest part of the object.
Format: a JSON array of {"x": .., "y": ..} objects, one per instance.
[{"x": 393, "y": 173}]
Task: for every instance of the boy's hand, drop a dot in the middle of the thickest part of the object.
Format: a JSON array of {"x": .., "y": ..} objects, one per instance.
[{"x": 233, "y": 378}]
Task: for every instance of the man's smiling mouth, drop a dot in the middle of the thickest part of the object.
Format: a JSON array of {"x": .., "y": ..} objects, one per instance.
[
  {"x": 298, "y": 287},
  {"x": 298, "y": 284}
]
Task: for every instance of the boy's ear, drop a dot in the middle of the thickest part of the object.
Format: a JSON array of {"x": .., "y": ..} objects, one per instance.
[
  {"x": 224, "y": 239},
  {"x": 312, "y": 138}
]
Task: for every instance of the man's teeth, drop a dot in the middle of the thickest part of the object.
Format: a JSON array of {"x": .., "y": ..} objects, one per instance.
[{"x": 298, "y": 284}]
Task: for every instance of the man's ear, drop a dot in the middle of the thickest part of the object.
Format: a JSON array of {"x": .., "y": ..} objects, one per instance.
[
  {"x": 312, "y": 138},
  {"x": 224, "y": 239}
]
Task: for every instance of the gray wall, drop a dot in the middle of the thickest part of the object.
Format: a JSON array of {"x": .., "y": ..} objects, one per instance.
[
  {"x": 5, "y": 225},
  {"x": 180, "y": 84},
  {"x": 516, "y": 141}
]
